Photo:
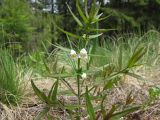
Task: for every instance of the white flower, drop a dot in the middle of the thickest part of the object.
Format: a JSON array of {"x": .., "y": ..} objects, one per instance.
[
  {"x": 83, "y": 53},
  {"x": 84, "y": 76},
  {"x": 73, "y": 54},
  {"x": 84, "y": 36}
]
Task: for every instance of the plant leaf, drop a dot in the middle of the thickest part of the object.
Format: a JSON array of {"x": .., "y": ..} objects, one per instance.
[
  {"x": 111, "y": 111},
  {"x": 68, "y": 33},
  {"x": 51, "y": 92},
  {"x": 42, "y": 113},
  {"x": 75, "y": 18},
  {"x": 89, "y": 105},
  {"x": 135, "y": 76},
  {"x": 136, "y": 57},
  {"x": 100, "y": 19},
  {"x": 118, "y": 115},
  {"x": 100, "y": 30},
  {"x": 110, "y": 83},
  {"x": 40, "y": 94},
  {"x": 64, "y": 75},
  {"x": 93, "y": 10},
  {"x": 46, "y": 66},
  {"x": 80, "y": 12},
  {"x": 94, "y": 36},
  {"x": 86, "y": 10},
  {"x": 120, "y": 58},
  {"x": 55, "y": 90}
]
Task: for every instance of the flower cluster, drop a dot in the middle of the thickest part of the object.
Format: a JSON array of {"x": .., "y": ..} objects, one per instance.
[{"x": 82, "y": 54}]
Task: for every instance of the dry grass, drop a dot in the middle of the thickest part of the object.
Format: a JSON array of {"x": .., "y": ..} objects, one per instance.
[{"x": 31, "y": 106}]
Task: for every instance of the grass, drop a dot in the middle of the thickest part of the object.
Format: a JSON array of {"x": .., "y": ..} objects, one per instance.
[
  {"x": 111, "y": 47},
  {"x": 10, "y": 84},
  {"x": 109, "y": 51}
]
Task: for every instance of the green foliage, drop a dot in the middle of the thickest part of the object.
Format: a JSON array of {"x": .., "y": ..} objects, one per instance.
[
  {"x": 132, "y": 15},
  {"x": 136, "y": 56},
  {"x": 39, "y": 62},
  {"x": 15, "y": 24},
  {"x": 52, "y": 96},
  {"x": 89, "y": 106},
  {"x": 110, "y": 52},
  {"x": 50, "y": 100},
  {"x": 154, "y": 93},
  {"x": 10, "y": 83}
]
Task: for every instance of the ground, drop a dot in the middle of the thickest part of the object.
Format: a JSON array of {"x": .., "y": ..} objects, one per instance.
[{"x": 31, "y": 106}]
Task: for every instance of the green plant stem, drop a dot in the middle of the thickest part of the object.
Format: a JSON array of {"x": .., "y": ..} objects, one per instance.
[{"x": 79, "y": 91}]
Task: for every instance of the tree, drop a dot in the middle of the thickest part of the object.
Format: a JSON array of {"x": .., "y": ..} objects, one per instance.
[
  {"x": 15, "y": 24},
  {"x": 131, "y": 15}
]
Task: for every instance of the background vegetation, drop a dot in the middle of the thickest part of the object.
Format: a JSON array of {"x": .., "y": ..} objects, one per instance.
[{"x": 29, "y": 25}]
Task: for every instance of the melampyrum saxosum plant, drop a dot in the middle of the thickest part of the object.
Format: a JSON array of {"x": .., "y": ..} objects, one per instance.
[{"x": 88, "y": 78}]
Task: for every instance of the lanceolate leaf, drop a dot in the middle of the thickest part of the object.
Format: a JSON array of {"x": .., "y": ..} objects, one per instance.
[
  {"x": 89, "y": 105},
  {"x": 100, "y": 30},
  {"x": 118, "y": 115},
  {"x": 51, "y": 92},
  {"x": 100, "y": 19},
  {"x": 136, "y": 57},
  {"x": 98, "y": 16},
  {"x": 68, "y": 33},
  {"x": 120, "y": 58},
  {"x": 76, "y": 19},
  {"x": 46, "y": 66},
  {"x": 86, "y": 9},
  {"x": 42, "y": 113},
  {"x": 93, "y": 10},
  {"x": 109, "y": 114},
  {"x": 135, "y": 76},
  {"x": 81, "y": 12},
  {"x": 62, "y": 75},
  {"x": 110, "y": 83},
  {"x": 94, "y": 36},
  {"x": 55, "y": 90},
  {"x": 40, "y": 94}
]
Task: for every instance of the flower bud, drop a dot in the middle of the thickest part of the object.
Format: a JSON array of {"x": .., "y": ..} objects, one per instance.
[
  {"x": 73, "y": 54},
  {"x": 83, "y": 54},
  {"x": 84, "y": 36},
  {"x": 84, "y": 76}
]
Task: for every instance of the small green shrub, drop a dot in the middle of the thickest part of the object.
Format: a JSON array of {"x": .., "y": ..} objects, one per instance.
[{"x": 154, "y": 93}]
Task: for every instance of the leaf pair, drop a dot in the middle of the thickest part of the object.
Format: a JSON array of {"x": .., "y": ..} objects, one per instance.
[
  {"x": 50, "y": 100},
  {"x": 52, "y": 96}
]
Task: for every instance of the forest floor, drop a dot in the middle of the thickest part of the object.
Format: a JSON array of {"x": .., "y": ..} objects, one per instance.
[{"x": 31, "y": 106}]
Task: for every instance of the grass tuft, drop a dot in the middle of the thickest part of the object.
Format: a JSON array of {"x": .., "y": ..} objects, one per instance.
[{"x": 10, "y": 90}]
